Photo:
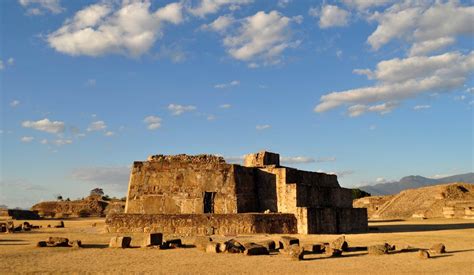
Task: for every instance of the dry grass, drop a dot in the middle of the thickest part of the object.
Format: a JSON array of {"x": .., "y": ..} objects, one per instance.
[{"x": 18, "y": 253}]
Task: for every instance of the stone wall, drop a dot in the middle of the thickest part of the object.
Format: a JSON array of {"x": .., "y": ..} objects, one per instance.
[
  {"x": 203, "y": 224},
  {"x": 336, "y": 220},
  {"x": 18, "y": 214},
  {"x": 176, "y": 184}
]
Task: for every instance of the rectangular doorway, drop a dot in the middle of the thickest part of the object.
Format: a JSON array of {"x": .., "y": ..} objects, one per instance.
[{"x": 209, "y": 202}]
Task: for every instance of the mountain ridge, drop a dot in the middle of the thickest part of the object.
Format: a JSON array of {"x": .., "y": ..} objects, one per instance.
[{"x": 413, "y": 181}]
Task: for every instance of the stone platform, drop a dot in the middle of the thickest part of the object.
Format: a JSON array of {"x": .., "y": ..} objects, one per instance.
[{"x": 203, "y": 224}]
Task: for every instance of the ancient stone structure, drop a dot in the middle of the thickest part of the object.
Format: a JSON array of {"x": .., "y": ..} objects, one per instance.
[{"x": 205, "y": 195}]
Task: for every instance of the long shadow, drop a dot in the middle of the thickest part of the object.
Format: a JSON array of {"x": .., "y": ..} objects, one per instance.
[
  {"x": 421, "y": 227},
  {"x": 338, "y": 257},
  {"x": 459, "y": 251},
  {"x": 391, "y": 220},
  {"x": 95, "y": 245},
  {"x": 13, "y": 240},
  {"x": 2, "y": 244}
]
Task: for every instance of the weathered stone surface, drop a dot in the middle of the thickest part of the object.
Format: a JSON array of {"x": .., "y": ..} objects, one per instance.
[
  {"x": 120, "y": 242},
  {"x": 252, "y": 249},
  {"x": 296, "y": 252},
  {"x": 153, "y": 239},
  {"x": 268, "y": 244},
  {"x": 57, "y": 241},
  {"x": 423, "y": 254},
  {"x": 261, "y": 159},
  {"x": 340, "y": 244},
  {"x": 377, "y": 249},
  {"x": 233, "y": 246},
  {"x": 438, "y": 248},
  {"x": 286, "y": 241},
  {"x": 314, "y": 248},
  {"x": 75, "y": 244},
  {"x": 196, "y": 224},
  {"x": 199, "y": 195}
]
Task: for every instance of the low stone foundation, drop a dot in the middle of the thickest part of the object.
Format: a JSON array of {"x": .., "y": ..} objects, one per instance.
[
  {"x": 336, "y": 220},
  {"x": 203, "y": 224}
]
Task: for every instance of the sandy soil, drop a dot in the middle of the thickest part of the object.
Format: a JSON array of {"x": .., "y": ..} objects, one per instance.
[{"x": 18, "y": 253}]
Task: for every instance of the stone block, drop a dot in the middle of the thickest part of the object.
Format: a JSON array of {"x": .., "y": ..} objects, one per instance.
[
  {"x": 295, "y": 252},
  {"x": 268, "y": 244},
  {"x": 423, "y": 254},
  {"x": 261, "y": 159},
  {"x": 75, "y": 243},
  {"x": 57, "y": 241},
  {"x": 172, "y": 243},
  {"x": 438, "y": 248},
  {"x": 286, "y": 241},
  {"x": 153, "y": 239},
  {"x": 213, "y": 247},
  {"x": 332, "y": 252},
  {"x": 252, "y": 249},
  {"x": 377, "y": 249},
  {"x": 233, "y": 246},
  {"x": 120, "y": 242},
  {"x": 340, "y": 244},
  {"x": 314, "y": 248}
]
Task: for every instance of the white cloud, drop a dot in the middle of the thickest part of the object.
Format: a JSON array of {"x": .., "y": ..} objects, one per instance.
[
  {"x": 326, "y": 159},
  {"x": 430, "y": 26},
  {"x": 359, "y": 109},
  {"x": 103, "y": 28},
  {"x": 15, "y": 103},
  {"x": 263, "y": 127},
  {"x": 227, "y": 85},
  {"x": 45, "y": 125},
  {"x": 366, "y": 4},
  {"x": 380, "y": 180},
  {"x": 109, "y": 134},
  {"x": 231, "y": 159},
  {"x": 261, "y": 37},
  {"x": 400, "y": 79},
  {"x": 61, "y": 141},
  {"x": 115, "y": 177},
  {"x": 220, "y": 24},
  {"x": 297, "y": 160},
  {"x": 11, "y": 61},
  {"x": 283, "y": 3},
  {"x": 211, "y": 117},
  {"x": 206, "y": 7},
  {"x": 331, "y": 16},
  {"x": 177, "y": 109},
  {"x": 225, "y": 106},
  {"x": 421, "y": 107},
  {"x": 153, "y": 122},
  {"x": 428, "y": 46},
  {"x": 97, "y": 126},
  {"x": 38, "y": 7},
  {"x": 27, "y": 139}
]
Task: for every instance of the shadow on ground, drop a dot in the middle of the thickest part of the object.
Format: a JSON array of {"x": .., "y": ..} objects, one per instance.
[{"x": 389, "y": 228}]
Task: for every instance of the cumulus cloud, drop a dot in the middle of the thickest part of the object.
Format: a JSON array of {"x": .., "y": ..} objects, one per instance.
[
  {"x": 296, "y": 160},
  {"x": 38, "y": 7},
  {"x": 109, "y": 134},
  {"x": 261, "y": 37},
  {"x": 227, "y": 85},
  {"x": 283, "y": 3},
  {"x": 97, "y": 126},
  {"x": 153, "y": 122},
  {"x": 400, "y": 79},
  {"x": 27, "y": 139},
  {"x": 263, "y": 127},
  {"x": 423, "y": 23},
  {"x": 115, "y": 177},
  {"x": 220, "y": 24},
  {"x": 103, "y": 28},
  {"x": 205, "y": 7},
  {"x": 177, "y": 109},
  {"x": 45, "y": 125},
  {"x": 331, "y": 16}
]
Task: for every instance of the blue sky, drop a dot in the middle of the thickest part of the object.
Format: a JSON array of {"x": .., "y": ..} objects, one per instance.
[{"x": 369, "y": 90}]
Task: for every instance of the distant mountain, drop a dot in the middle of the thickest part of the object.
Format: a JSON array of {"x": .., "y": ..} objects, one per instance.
[{"x": 411, "y": 182}]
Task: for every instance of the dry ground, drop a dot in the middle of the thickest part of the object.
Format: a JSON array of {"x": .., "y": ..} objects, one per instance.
[{"x": 18, "y": 253}]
